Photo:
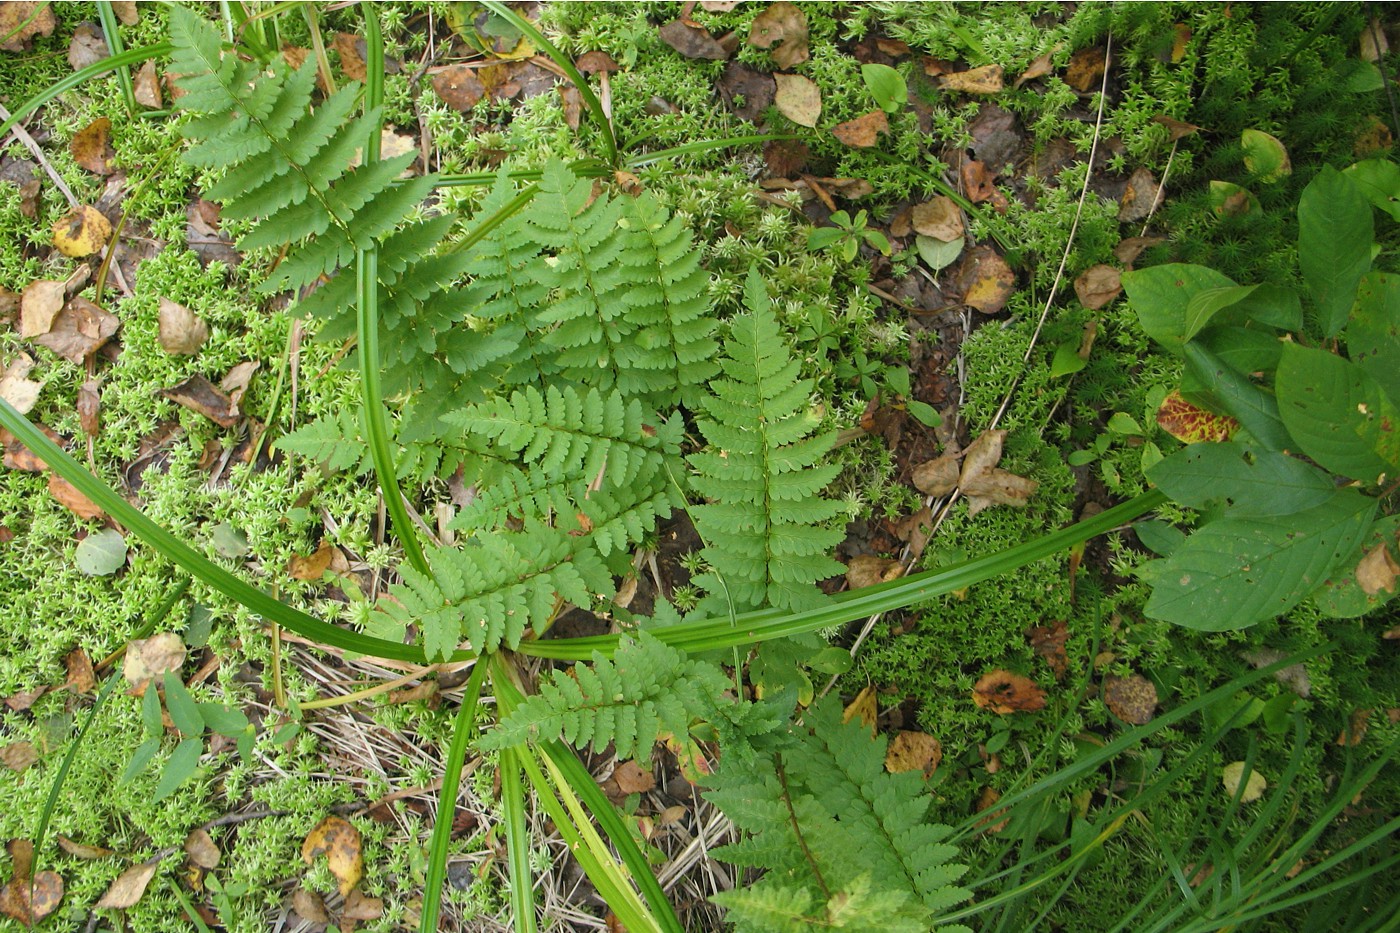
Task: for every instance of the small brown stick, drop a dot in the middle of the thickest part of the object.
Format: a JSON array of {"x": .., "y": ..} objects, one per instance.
[{"x": 20, "y": 133}]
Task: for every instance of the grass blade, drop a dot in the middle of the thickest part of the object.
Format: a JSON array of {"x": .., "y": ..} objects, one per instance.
[
  {"x": 522, "y": 889},
  {"x": 114, "y": 43},
  {"x": 95, "y": 70}
]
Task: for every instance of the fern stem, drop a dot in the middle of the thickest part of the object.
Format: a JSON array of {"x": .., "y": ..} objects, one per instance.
[
  {"x": 367, "y": 325},
  {"x": 797, "y": 829},
  {"x": 462, "y": 730}
]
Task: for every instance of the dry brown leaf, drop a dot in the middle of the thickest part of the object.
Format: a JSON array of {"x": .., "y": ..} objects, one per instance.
[
  {"x": 1004, "y": 692},
  {"x": 781, "y": 22},
  {"x": 238, "y": 378},
  {"x": 126, "y": 11},
  {"x": 87, "y": 47},
  {"x": 92, "y": 147},
  {"x": 915, "y": 530},
  {"x": 867, "y": 570},
  {"x": 145, "y": 87},
  {"x": 1086, "y": 68},
  {"x": 864, "y": 131},
  {"x": 181, "y": 332},
  {"x": 632, "y": 779},
  {"x": 81, "y": 232},
  {"x": 339, "y": 842},
  {"x": 418, "y": 692},
  {"x": 985, "y": 280},
  {"x": 984, "y": 80},
  {"x": 19, "y": 457},
  {"x": 81, "y": 678},
  {"x": 1039, "y": 68},
  {"x": 359, "y": 907},
  {"x": 199, "y": 395},
  {"x": 18, "y": 755},
  {"x": 314, "y": 566},
  {"x": 997, "y": 820},
  {"x": 757, "y": 88},
  {"x": 939, "y": 218},
  {"x": 28, "y": 898},
  {"x": 200, "y": 847},
  {"x": 572, "y": 102},
  {"x": 1128, "y": 250},
  {"x": 718, "y": 6},
  {"x": 20, "y": 22},
  {"x": 309, "y": 906},
  {"x": 1048, "y": 641},
  {"x": 1098, "y": 286},
  {"x": 1377, "y": 571},
  {"x": 1374, "y": 45},
  {"x": 692, "y": 41},
  {"x": 798, "y": 99},
  {"x": 152, "y": 657},
  {"x": 1294, "y": 676},
  {"x": 19, "y": 702},
  {"x": 1132, "y": 699},
  {"x": 203, "y": 237},
  {"x": 864, "y": 707},
  {"x": 39, "y": 304},
  {"x": 66, "y": 495},
  {"x": 22, "y": 393},
  {"x": 913, "y": 751},
  {"x": 90, "y": 406},
  {"x": 981, "y": 184},
  {"x": 79, "y": 330},
  {"x": 79, "y": 850},
  {"x": 1176, "y": 129},
  {"x": 1140, "y": 198},
  {"x": 1356, "y": 729},
  {"x": 352, "y": 50},
  {"x": 938, "y": 477},
  {"x": 1191, "y": 424},
  {"x": 128, "y": 888},
  {"x": 984, "y": 483}
]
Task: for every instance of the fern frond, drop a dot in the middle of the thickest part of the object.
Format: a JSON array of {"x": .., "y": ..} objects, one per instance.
[
  {"x": 490, "y": 591},
  {"x": 648, "y": 689},
  {"x": 768, "y": 530},
  {"x": 333, "y": 441}
]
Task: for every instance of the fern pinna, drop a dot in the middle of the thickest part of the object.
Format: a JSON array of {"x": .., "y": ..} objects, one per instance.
[{"x": 768, "y": 529}]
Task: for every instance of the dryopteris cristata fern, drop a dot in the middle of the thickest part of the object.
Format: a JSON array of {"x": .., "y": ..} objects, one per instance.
[
  {"x": 846, "y": 844},
  {"x": 768, "y": 529}
]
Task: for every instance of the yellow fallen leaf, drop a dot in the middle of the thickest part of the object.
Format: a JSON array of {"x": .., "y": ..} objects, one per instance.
[
  {"x": 81, "y": 232},
  {"x": 339, "y": 842},
  {"x": 1254, "y": 785},
  {"x": 864, "y": 707},
  {"x": 128, "y": 887}
]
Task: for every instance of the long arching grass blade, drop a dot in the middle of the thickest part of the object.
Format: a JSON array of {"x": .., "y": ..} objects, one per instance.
[
  {"x": 190, "y": 560},
  {"x": 522, "y": 889},
  {"x": 95, "y": 70}
]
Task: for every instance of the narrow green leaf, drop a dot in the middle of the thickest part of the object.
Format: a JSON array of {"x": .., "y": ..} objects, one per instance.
[
  {"x": 1335, "y": 231},
  {"x": 1339, "y": 596},
  {"x": 1247, "y": 482},
  {"x": 1336, "y": 412},
  {"x": 1235, "y": 572},
  {"x": 101, "y": 553},
  {"x": 184, "y": 712},
  {"x": 151, "y": 718},
  {"x": 1161, "y": 296},
  {"x": 224, "y": 720},
  {"x": 1230, "y": 391},
  {"x": 140, "y": 760},
  {"x": 183, "y": 764}
]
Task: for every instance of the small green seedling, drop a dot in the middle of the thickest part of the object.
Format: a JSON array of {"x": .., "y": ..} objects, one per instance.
[{"x": 846, "y": 236}]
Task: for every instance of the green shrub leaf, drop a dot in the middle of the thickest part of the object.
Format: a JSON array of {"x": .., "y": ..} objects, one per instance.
[
  {"x": 1340, "y": 596},
  {"x": 1230, "y": 391},
  {"x": 886, "y": 86},
  {"x": 1335, "y": 231},
  {"x": 1373, "y": 335},
  {"x": 1337, "y": 413},
  {"x": 184, "y": 712},
  {"x": 1238, "y": 571},
  {"x": 183, "y": 764},
  {"x": 1249, "y": 482},
  {"x": 101, "y": 553},
  {"x": 1161, "y": 296}
]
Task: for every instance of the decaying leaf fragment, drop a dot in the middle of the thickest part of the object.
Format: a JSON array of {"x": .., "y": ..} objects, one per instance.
[
  {"x": 92, "y": 147},
  {"x": 339, "y": 842},
  {"x": 152, "y": 657},
  {"x": 79, "y": 330},
  {"x": 1377, "y": 571},
  {"x": 28, "y": 898},
  {"x": 781, "y": 22},
  {"x": 1004, "y": 692},
  {"x": 1192, "y": 424},
  {"x": 39, "y": 304},
  {"x": 864, "y": 707},
  {"x": 798, "y": 99},
  {"x": 128, "y": 887},
  {"x": 985, "y": 280},
  {"x": 692, "y": 41},
  {"x": 939, "y": 218},
  {"x": 1132, "y": 699},
  {"x": 1232, "y": 775},
  {"x": 984, "y": 80},
  {"x": 21, "y": 21},
  {"x": 15, "y": 386},
  {"x": 1098, "y": 286},
  {"x": 81, "y": 232},
  {"x": 867, "y": 570},
  {"x": 181, "y": 331},
  {"x": 913, "y": 751},
  {"x": 984, "y": 483},
  {"x": 864, "y": 131}
]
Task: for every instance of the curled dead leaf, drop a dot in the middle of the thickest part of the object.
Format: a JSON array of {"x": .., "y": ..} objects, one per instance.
[
  {"x": 1038, "y": 68},
  {"x": 781, "y": 22},
  {"x": 748, "y": 92},
  {"x": 79, "y": 330},
  {"x": 985, "y": 484},
  {"x": 21, "y": 392},
  {"x": 1004, "y": 692},
  {"x": 152, "y": 657},
  {"x": 913, "y": 751},
  {"x": 1130, "y": 248},
  {"x": 81, "y": 232},
  {"x": 199, "y": 395},
  {"x": 632, "y": 779},
  {"x": 864, "y": 131},
  {"x": 128, "y": 887},
  {"x": 1356, "y": 729},
  {"x": 17, "y": 756},
  {"x": 1086, "y": 68},
  {"x": 937, "y": 477},
  {"x": 145, "y": 87},
  {"x": 352, "y": 51},
  {"x": 1098, "y": 286},
  {"x": 90, "y": 406},
  {"x": 1377, "y": 571},
  {"x": 867, "y": 570},
  {"x": 360, "y": 907},
  {"x": 1049, "y": 641},
  {"x": 864, "y": 707},
  {"x": 309, "y": 906},
  {"x": 92, "y": 147},
  {"x": 984, "y": 80},
  {"x": 1132, "y": 699},
  {"x": 28, "y": 898},
  {"x": 314, "y": 566},
  {"x": 82, "y": 851},
  {"x": 81, "y": 678},
  {"x": 339, "y": 842},
  {"x": 997, "y": 820},
  {"x": 1176, "y": 129},
  {"x": 87, "y": 47}
]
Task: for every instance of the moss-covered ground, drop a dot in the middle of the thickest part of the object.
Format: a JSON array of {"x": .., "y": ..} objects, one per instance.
[{"x": 1281, "y": 68}]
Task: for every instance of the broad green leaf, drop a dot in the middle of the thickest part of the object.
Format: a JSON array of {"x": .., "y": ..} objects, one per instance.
[
  {"x": 822, "y": 237},
  {"x": 1159, "y": 537},
  {"x": 1264, "y": 156},
  {"x": 1243, "y": 349},
  {"x": 228, "y": 541},
  {"x": 1205, "y": 305},
  {"x": 1231, "y": 391},
  {"x": 183, "y": 710},
  {"x": 141, "y": 760},
  {"x": 1335, "y": 231},
  {"x": 1339, "y": 596},
  {"x": 1067, "y": 360},
  {"x": 937, "y": 254},
  {"x": 1373, "y": 335},
  {"x": 183, "y": 764},
  {"x": 1274, "y": 306},
  {"x": 1248, "y": 483},
  {"x": 1235, "y": 572},
  {"x": 1123, "y": 423},
  {"x": 1161, "y": 295},
  {"x": 1379, "y": 181},
  {"x": 101, "y": 553},
  {"x": 925, "y": 412},
  {"x": 886, "y": 86},
  {"x": 1334, "y": 410}
]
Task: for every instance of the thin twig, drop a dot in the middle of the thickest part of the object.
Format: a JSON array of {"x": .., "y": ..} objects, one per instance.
[{"x": 20, "y": 133}]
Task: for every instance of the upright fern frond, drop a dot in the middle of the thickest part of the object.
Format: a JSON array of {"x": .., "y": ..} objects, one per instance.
[
  {"x": 768, "y": 530},
  {"x": 648, "y": 690},
  {"x": 833, "y": 828},
  {"x": 490, "y": 591}
]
